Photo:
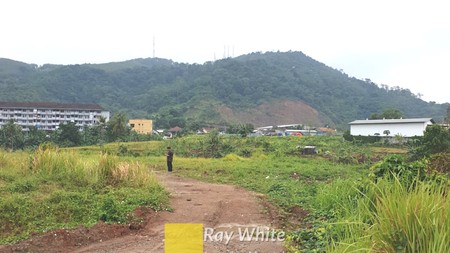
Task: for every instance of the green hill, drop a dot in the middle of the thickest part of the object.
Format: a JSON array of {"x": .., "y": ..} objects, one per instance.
[{"x": 259, "y": 88}]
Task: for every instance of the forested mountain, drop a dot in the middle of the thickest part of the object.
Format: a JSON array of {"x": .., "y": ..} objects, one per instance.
[{"x": 259, "y": 88}]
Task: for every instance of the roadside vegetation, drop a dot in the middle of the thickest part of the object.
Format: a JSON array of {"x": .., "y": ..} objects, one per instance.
[
  {"x": 360, "y": 196},
  {"x": 351, "y": 196},
  {"x": 52, "y": 188}
]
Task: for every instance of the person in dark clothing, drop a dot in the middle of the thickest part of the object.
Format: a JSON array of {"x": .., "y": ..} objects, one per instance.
[{"x": 169, "y": 159}]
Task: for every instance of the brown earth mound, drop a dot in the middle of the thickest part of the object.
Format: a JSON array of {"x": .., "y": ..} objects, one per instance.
[{"x": 277, "y": 113}]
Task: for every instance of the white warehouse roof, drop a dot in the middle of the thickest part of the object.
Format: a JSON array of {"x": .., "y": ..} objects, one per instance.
[{"x": 390, "y": 121}]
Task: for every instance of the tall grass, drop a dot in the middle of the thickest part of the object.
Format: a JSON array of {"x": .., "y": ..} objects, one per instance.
[
  {"x": 412, "y": 220},
  {"x": 111, "y": 171},
  {"x": 80, "y": 170},
  {"x": 394, "y": 218},
  {"x": 53, "y": 188}
]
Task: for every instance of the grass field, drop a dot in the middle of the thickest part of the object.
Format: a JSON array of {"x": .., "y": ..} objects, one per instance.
[
  {"x": 348, "y": 209},
  {"x": 53, "y": 188}
]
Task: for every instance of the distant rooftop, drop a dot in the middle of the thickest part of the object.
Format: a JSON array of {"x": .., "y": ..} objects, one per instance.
[
  {"x": 49, "y": 105},
  {"x": 390, "y": 121}
]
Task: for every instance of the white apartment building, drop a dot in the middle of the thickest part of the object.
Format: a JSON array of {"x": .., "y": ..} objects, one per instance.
[{"x": 47, "y": 115}]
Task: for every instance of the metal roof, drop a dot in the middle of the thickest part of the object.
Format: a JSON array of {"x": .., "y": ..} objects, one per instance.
[
  {"x": 49, "y": 105},
  {"x": 390, "y": 121}
]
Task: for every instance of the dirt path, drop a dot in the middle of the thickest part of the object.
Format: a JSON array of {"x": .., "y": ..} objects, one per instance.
[{"x": 220, "y": 208}]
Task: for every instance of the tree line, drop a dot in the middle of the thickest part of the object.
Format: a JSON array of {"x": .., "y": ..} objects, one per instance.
[
  {"x": 12, "y": 136},
  {"x": 69, "y": 135}
]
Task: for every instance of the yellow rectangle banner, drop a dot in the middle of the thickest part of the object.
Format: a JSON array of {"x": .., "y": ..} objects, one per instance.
[{"x": 183, "y": 238}]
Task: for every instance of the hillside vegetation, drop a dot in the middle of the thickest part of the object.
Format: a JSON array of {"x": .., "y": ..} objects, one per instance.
[{"x": 259, "y": 88}]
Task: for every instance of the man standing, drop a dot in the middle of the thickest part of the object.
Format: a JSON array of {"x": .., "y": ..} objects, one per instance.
[{"x": 169, "y": 159}]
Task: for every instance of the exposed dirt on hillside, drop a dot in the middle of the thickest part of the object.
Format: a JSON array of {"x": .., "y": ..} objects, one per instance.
[
  {"x": 220, "y": 207},
  {"x": 267, "y": 114}
]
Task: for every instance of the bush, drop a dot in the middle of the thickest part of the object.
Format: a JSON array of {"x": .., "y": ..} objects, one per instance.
[
  {"x": 439, "y": 163},
  {"x": 245, "y": 152},
  {"x": 395, "y": 166},
  {"x": 436, "y": 139}
]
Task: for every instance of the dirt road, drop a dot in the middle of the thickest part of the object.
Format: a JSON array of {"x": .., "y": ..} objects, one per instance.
[{"x": 222, "y": 209}]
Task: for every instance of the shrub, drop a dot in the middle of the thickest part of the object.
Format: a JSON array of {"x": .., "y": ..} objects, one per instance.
[
  {"x": 245, "y": 152},
  {"x": 440, "y": 163},
  {"x": 396, "y": 166},
  {"x": 436, "y": 139}
]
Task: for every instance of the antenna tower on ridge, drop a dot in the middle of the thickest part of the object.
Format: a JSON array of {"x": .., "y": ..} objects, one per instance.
[{"x": 153, "y": 46}]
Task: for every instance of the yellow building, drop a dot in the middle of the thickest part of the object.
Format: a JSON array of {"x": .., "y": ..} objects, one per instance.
[{"x": 142, "y": 126}]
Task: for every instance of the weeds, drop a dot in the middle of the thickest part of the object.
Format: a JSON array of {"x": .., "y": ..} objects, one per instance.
[{"x": 63, "y": 189}]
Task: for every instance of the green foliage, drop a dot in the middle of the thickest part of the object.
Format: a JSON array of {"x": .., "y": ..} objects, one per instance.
[
  {"x": 346, "y": 212},
  {"x": 123, "y": 150},
  {"x": 310, "y": 240},
  {"x": 68, "y": 135},
  {"x": 22, "y": 186},
  {"x": 111, "y": 212},
  {"x": 242, "y": 129},
  {"x": 343, "y": 209},
  {"x": 117, "y": 127},
  {"x": 395, "y": 166},
  {"x": 245, "y": 152},
  {"x": 439, "y": 163},
  {"x": 282, "y": 193},
  {"x": 173, "y": 92},
  {"x": 388, "y": 114},
  {"x": 213, "y": 144},
  {"x": 170, "y": 116},
  {"x": 411, "y": 220},
  {"x": 34, "y": 137},
  {"x": 58, "y": 189},
  {"x": 11, "y": 136},
  {"x": 436, "y": 139}
]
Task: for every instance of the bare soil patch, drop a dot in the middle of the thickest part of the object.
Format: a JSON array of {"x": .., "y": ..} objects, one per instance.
[{"x": 268, "y": 114}]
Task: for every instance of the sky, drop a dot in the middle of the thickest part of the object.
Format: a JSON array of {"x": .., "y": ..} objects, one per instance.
[{"x": 392, "y": 42}]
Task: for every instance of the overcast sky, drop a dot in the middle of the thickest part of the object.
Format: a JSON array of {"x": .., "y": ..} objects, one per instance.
[{"x": 392, "y": 42}]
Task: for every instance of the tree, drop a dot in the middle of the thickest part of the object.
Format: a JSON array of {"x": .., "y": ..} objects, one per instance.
[
  {"x": 117, "y": 127},
  {"x": 387, "y": 114},
  {"x": 95, "y": 134},
  {"x": 68, "y": 135},
  {"x": 375, "y": 116},
  {"x": 34, "y": 137},
  {"x": 245, "y": 129},
  {"x": 436, "y": 139},
  {"x": 192, "y": 125},
  {"x": 386, "y": 132},
  {"x": 392, "y": 114},
  {"x": 170, "y": 117},
  {"x": 213, "y": 144},
  {"x": 241, "y": 129},
  {"x": 11, "y": 136}
]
